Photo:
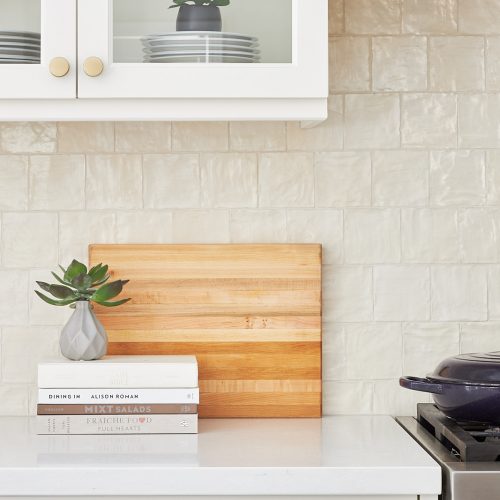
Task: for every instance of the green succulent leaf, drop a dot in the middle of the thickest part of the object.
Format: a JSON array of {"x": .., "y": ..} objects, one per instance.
[
  {"x": 99, "y": 274},
  {"x": 101, "y": 282},
  {"x": 75, "y": 269},
  {"x": 92, "y": 270},
  {"x": 82, "y": 282},
  {"x": 58, "y": 291},
  {"x": 108, "y": 291},
  {"x": 58, "y": 278},
  {"x": 113, "y": 304},
  {"x": 79, "y": 285},
  {"x": 54, "y": 302}
]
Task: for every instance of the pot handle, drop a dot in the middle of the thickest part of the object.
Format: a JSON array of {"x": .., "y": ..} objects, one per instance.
[{"x": 421, "y": 384}]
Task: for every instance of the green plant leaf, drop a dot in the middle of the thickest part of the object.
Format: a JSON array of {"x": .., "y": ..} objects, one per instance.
[
  {"x": 82, "y": 282},
  {"x": 53, "y": 302},
  {"x": 106, "y": 278},
  {"x": 113, "y": 304},
  {"x": 221, "y": 3},
  {"x": 58, "y": 291},
  {"x": 99, "y": 274},
  {"x": 58, "y": 278},
  {"x": 94, "y": 269},
  {"x": 108, "y": 291},
  {"x": 75, "y": 269}
]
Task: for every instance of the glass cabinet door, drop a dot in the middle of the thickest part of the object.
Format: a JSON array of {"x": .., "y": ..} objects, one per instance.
[
  {"x": 202, "y": 48},
  {"x": 37, "y": 49}
]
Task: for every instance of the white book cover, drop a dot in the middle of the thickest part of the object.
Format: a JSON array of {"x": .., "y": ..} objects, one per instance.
[
  {"x": 120, "y": 372},
  {"x": 117, "y": 424},
  {"x": 119, "y": 396}
]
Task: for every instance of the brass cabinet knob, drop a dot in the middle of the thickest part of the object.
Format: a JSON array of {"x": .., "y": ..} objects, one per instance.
[
  {"x": 59, "y": 66},
  {"x": 93, "y": 66}
]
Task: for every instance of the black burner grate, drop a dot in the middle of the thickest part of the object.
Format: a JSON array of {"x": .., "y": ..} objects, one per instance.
[{"x": 470, "y": 442}]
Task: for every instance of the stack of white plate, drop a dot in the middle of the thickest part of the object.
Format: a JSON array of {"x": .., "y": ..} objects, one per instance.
[
  {"x": 200, "y": 47},
  {"x": 19, "y": 47}
]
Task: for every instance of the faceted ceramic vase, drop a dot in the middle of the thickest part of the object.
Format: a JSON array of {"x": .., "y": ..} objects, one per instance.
[
  {"x": 83, "y": 338},
  {"x": 199, "y": 18}
]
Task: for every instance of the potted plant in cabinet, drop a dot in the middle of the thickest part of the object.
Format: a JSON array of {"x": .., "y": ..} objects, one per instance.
[{"x": 199, "y": 15}]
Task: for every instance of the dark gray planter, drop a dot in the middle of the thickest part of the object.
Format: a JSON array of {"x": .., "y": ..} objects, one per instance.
[{"x": 199, "y": 18}]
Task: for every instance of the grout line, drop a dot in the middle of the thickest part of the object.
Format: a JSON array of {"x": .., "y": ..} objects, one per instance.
[
  {"x": 429, "y": 271},
  {"x": 428, "y": 45},
  {"x": 460, "y": 330},
  {"x": 485, "y": 63},
  {"x": 401, "y": 247},
  {"x": 429, "y": 180},
  {"x": 400, "y": 98},
  {"x": 371, "y": 180},
  {"x": 200, "y": 197},
  {"x": 401, "y": 9},
  {"x": 343, "y": 17},
  {"x": 413, "y": 34},
  {"x": 372, "y": 270},
  {"x": 85, "y": 171},
  {"x": 28, "y": 185},
  {"x": 370, "y": 64},
  {"x": 142, "y": 182}
]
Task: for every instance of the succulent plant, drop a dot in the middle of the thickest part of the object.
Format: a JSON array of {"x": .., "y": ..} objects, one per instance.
[
  {"x": 216, "y": 3},
  {"x": 80, "y": 284}
]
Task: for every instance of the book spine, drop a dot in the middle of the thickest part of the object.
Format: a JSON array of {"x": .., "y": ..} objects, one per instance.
[
  {"x": 131, "y": 376},
  {"x": 124, "y": 409},
  {"x": 117, "y": 424},
  {"x": 119, "y": 396}
]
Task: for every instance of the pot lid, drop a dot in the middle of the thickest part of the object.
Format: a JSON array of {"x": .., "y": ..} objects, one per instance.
[{"x": 476, "y": 368}]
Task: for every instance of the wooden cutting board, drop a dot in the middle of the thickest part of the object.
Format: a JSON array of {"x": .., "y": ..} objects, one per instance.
[{"x": 250, "y": 313}]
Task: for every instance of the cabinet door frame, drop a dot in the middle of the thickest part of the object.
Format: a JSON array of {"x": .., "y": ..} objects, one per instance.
[
  {"x": 306, "y": 77},
  {"x": 58, "y": 39}
]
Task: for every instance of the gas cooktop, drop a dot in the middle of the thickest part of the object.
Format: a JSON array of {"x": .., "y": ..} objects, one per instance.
[{"x": 469, "y": 453}]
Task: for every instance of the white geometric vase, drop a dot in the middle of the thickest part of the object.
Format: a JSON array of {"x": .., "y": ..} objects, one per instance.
[{"x": 83, "y": 338}]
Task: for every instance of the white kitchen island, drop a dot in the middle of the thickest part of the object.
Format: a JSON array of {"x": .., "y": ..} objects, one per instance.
[{"x": 331, "y": 458}]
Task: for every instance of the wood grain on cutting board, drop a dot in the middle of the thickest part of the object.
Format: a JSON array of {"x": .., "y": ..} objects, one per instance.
[{"x": 250, "y": 313}]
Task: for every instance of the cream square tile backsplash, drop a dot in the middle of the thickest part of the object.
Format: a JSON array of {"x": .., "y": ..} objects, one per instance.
[{"x": 401, "y": 185}]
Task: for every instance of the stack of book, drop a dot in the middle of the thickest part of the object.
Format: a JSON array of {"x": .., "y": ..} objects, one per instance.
[{"x": 119, "y": 395}]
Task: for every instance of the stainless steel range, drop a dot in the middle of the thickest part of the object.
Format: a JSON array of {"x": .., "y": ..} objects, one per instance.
[{"x": 469, "y": 453}]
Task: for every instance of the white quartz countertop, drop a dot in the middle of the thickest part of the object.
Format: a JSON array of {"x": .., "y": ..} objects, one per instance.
[{"x": 329, "y": 456}]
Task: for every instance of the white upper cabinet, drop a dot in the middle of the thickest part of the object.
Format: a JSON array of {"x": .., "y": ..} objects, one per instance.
[
  {"x": 267, "y": 48},
  {"x": 166, "y": 59},
  {"x": 34, "y": 34}
]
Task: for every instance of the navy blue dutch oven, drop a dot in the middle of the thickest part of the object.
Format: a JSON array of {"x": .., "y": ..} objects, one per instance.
[{"x": 465, "y": 387}]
